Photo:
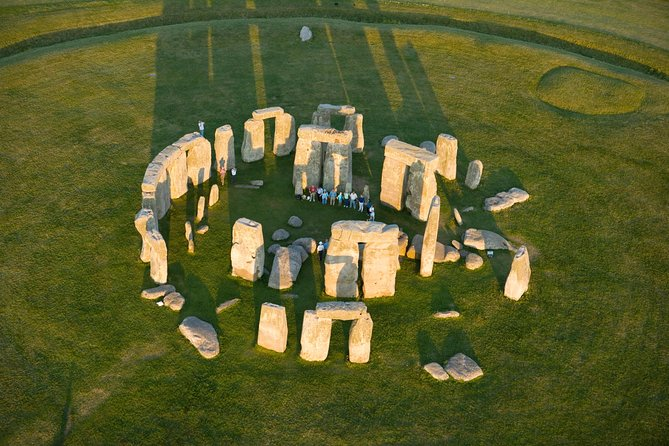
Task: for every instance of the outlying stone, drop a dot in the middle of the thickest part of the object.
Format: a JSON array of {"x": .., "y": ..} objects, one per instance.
[
  {"x": 248, "y": 251},
  {"x": 343, "y": 311},
  {"x": 447, "y": 151},
  {"x": 280, "y": 234},
  {"x": 436, "y": 371},
  {"x": 518, "y": 279},
  {"x": 227, "y": 304},
  {"x": 295, "y": 221},
  {"x": 446, "y": 314},
  {"x": 158, "y": 292},
  {"x": 273, "y": 328},
  {"x": 202, "y": 335},
  {"x": 504, "y": 200},
  {"x": 305, "y": 34},
  {"x": 474, "y": 172},
  {"x": 484, "y": 240},
  {"x": 473, "y": 261},
  {"x": 307, "y": 243},
  {"x": 258, "y": 183},
  {"x": 360, "y": 339},
  {"x": 463, "y": 368},
  {"x": 315, "y": 339},
  {"x": 174, "y": 301}
]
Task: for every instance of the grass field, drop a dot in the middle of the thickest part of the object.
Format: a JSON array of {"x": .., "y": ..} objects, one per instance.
[{"x": 582, "y": 358}]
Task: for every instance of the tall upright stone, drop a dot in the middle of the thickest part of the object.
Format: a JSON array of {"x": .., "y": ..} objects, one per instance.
[
  {"x": 341, "y": 269},
  {"x": 518, "y": 279},
  {"x": 178, "y": 175},
  {"x": 198, "y": 160},
  {"x": 393, "y": 179},
  {"x": 188, "y": 232},
  {"x": 315, "y": 339},
  {"x": 224, "y": 148},
  {"x": 447, "y": 151},
  {"x": 273, "y": 327},
  {"x": 307, "y": 169},
  {"x": 248, "y": 250},
  {"x": 360, "y": 339},
  {"x": 430, "y": 238},
  {"x": 337, "y": 166},
  {"x": 354, "y": 124},
  {"x": 158, "y": 259},
  {"x": 201, "y": 202},
  {"x": 253, "y": 145},
  {"x": 421, "y": 187},
  {"x": 144, "y": 223},
  {"x": 163, "y": 196},
  {"x": 213, "y": 195},
  {"x": 474, "y": 172},
  {"x": 284, "y": 134}
]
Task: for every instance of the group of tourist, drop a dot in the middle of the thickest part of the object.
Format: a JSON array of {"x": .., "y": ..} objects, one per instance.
[{"x": 333, "y": 198}]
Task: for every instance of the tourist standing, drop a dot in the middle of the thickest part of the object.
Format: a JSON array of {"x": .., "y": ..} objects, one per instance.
[
  {"x": 233, "y": 174},
  {"x": 312, "y": 192},
  {"x": 346, "y": 199},
  {"x": 361, "y": 204},
  {"x": 320, "y": 249},
  {"x": 333, "y": 196},
  {"x": 354, "y": 200},
  {"x": 200, "y": 125},
  {"x": 372, "y": 213},
  {"x": 340, "y": 197}
]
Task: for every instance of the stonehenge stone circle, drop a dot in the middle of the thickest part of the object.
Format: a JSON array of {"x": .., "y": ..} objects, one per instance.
[
  {"x": 518, "y": 279},
  {"x": 430, "y": 238},
  {"x": 273, "y": 327},
  {"x": 202, "y": 335},
  {"x": 474, "y": 172},
  {"x": 436, "y": 371},
  {"x": 447, "y": 151},
  {"x": 484, "y": 240},
  {"x": 463, "y": 368},
  {"x": 248, "y": 250},
  {"x": 379, "y": 261},
  {"x": 224, "y": 148},
  {"x": 315, "y": 339},
  {"x": 414, "y": 190},
  {"x": 504, "y": 200},
  {"x": 158, "y": 292}
]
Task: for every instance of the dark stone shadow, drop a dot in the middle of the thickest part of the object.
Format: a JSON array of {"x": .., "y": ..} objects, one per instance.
[
  {"x": 427, "y": 350},
  {"x": 65, "y": 415}
]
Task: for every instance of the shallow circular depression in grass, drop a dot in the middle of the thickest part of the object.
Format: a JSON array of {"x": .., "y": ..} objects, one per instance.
[{"x": 585, "y": 92}]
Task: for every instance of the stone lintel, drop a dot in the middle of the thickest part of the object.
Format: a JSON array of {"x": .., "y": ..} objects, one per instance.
[
  {"x": 408, "y": 154},
  {"x": 338, "y": 109},
  {"x": 267, "y": 113},
  {"x": 343, "y": 311},
  {"x": 324, "y": 134}
]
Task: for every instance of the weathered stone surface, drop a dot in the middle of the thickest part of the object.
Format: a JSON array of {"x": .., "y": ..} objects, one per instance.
[
  {"x": 202, "y": 335},
  {"x": 227, "y": 304},
  {"x": 145, "y": 222},
  {"x": 387, "y": 139},
  {"x": 321, "y": 119},
  {"x": 273, "y": 327},
  {"x": 518, "y": 279},
  {"x": 274, "y": 248},
  {"x": 463, "y": 368},
  {"x": 360, "y": 339},
  {"x": 305, "y": 34},
  {"x": 315, "y": 339},
  {"x": 483, "y": 240},
  {"x": 304, "y": 255},
  {"x": 162, "y": 195},
  {"x": 429, "y": 146},
  {"x": 457, "y": 216},
  {"x": 248, "y": 252},
  {"x": 446, "y": 314},
  {"x": 456, "y": 244},
  {"x": 341, "y": 269},
  {"x": 158, "y": 292},
  {"x": 354, "y": 124},
  {"x": 201, "y": 202},
  {"x": 393, "y": 184},
  {"x": 285, "y": 268},
  {"x": 337, "y": 166},
  {"x": 443, "y": 253},
  {"x": 307, "y": 167},
  {"x": 158, "y": 259},
  {"x": 344, "y": 110},
  {"x": 295, "y": 221},
  {"x": 177, "y": 173},
  {"x": 379, "y": 268},
  {"x": 342, "y": 311},
  {"x": 402, "y": 244},
  {"x": 224, "y": 148},
  {"x": 473, "y": 261},
  {"x": 474, "y": 172},
  {"x": 267, "y": 113},
  {"x": 198, "y": 160},
  {"x": 284, "y": 135},
  {"x": 203, "y": 229},
  {"x": 280, "y": 234},
  {"x": 447, "y": 151},
  {"x": 421, "y": 187},
  {"x": 436, "y": 371},
  {"x": 324, "y": 134},
  {"x": 188, "y": 231},
  {"x": 416, "y": 247},
  {"x": 504, "y": 200},
  {"x": 174, "y": 301},
  {"x": 430, "y": 238},
  {"x": 307, "y": 243},
  {"x": 213, "y": 195},
  {"x": 253, "y": 145}
]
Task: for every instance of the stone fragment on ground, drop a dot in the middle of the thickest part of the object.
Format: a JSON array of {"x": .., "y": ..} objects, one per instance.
[
  {"x": 446, "y": 314},
  {"x": 258, "y": 183},
  {"x": 468, "y": 209},
  {"x": 474, "y": 172},
  {"x": 273, "y": 327},
  {"x": 463, "y": 368},
  {"x": 307, "y": 243},
  {"x": 290, "y": 296},
  {"x": 456, "y": 244},
  {"x": 274, "y": 248},
  {"x": 443, "y": 253},
  {"x": 280, "y": 234},
  {"x": 343, "y": 311},
  {"x": 246, "y": 186},
  {"x": 305, "y": 34},
  {"x": 174, "y": 301},
  {"x": 484, "y": 240},
  {"x": 202, "y": 229},
  {"x": 158, "y": 292},
  {"x": 518, "y": 279},
  {"x": 295, "y": 221},
  {"x": 457, "y": 216},
  {"x": 436, "y": 371},
  {"x": 473, "y": 261},
  {"x": 202, "y": 335},
  {"x": 504, "y": 200},
  {"x": 227, "y": 304}
]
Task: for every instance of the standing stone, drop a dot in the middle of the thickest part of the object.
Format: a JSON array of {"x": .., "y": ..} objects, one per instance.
[
  {"x": 354, "y": 123},
  {"x": 158, "y": 257},
  {"x": 202, "y": 335},
  {"x": 379, "y": 268},
  {"x": 284, "y": 135},
  {"x": 447, "y": 151},
  {"x": 305, "y": 34},
  {"x": 337, "y": 166},
  {"x": 341, "y": 269},
  {"x": 315, "y": 340},
  {"x": 286, "y": 267},
  {"x": 248, "y": 251},
  {"x": 273, "y": 328},
  {"x": 201, "y": 202},
  {"x": 307, "y": 168},
  {"x": 224, "y": 148},
  {"x": 518, "y": 279},
  {"x": 360, "y": 339},
  {"x": 162, "y": 194},
  {"x": 145, "y": 222},
  {"x": 178, "y": 175},
  {"x": 198, "y": 160},
  {"x": 474, "y": 172},
  {"x": 253, "y": 145},
  {"x": 393, "y": 178},
  {"x": 429, "y": 146},
  {"x": 421, "y": 187},
  {"x": 188, "y": 229},
  {"x": 213, "y": 195},
  {"x": 430, "y": 238},
  {"x": 457, "y": 216}
]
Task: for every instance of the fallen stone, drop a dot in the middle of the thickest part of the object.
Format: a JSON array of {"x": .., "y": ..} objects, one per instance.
[
  {"x": 200, "y": 209},
  {"x": 202, "y": 229},
  {"x": 463, "y": 368},
  {"x": 246, "y": 186},
  {"x": 457, "y": 216},
  {"x": 174, "y": 301},
  {"x": 474, "y": 172},
  {"x": 443, "y": 253},
  {"x": 360, "y": 339},
  {"x": 315, "y": 339},
  {"x": 483, "y": 240},
  {"x": 473, "y": 261},
  {"x": 429, "y": 146},
  {"x": 456, "y": 244},
  {"x": 280, "y": 234},
  {"x": 387, "y": 139},
  {"x": 213, "y": 195},
  {"x": 274, "y": 248},
  {"x": 202, "y": 335},
  {"x": 436, "y": 371},
  {"x": 504, "y": 200},
  {"x": 343, "y": 311},
  {"x": 273, "y": 327},
  {"x": 446, "y": 314},
  {"x": 467, "y": 209},
  {"x": 227, "y": 304},
  {"x": 305, "y": 34},
  {"x": 290, "y": 296},
  {"x": 307, "y": 243},
  {"x": 295, "y": 221},
  {"x": 158, "y": 292},
  {"x": 258, "y": 183},
  {"x": 518, "y": 279}
]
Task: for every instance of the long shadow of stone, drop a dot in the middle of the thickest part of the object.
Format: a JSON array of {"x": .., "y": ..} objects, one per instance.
[
  {"x": 427, "y": 349},
  {"x": 64, "y": 425},
  {"x": 456, "y": 341}
]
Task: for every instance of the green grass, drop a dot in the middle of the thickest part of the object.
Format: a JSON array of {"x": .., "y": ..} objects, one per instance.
[{"x": 581, "y": 359}]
